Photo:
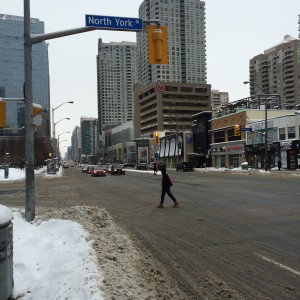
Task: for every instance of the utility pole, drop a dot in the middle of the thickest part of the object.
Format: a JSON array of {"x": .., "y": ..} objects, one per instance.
[
  {"x": 266, "y": 137},
  {"x": 29, "y": 132}
]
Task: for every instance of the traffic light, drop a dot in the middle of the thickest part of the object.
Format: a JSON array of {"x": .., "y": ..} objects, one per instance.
[
  {"x": 36, "y": 109},
  {"x": 157, "y": 45},
  {"x": 237, "y": 130},
  {"x": 37, "y": 119},
  {"x": 7, "y": 155},
  {"x": 2, "y": 114},
  {"x": 156, "y": 138}
]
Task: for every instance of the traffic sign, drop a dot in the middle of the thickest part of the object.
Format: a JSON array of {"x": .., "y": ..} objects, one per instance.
[
  {"x": 114, "y": 23},
  {"x": 246, "y": 129}
]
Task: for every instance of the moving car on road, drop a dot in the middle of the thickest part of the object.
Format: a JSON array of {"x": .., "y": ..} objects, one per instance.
[
  {"x": 89, "y": 168},
  {"x": 97, "y": 171},
  {"x": 117, "y": 169},
  {"x": 83, "y": 169}
]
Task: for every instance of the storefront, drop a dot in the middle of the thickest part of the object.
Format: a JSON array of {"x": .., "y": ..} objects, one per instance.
[
  {"x": 255, "y": 155},
  {"x": 289, "y": 154},
  {"x": 171, "y": 149},
  {"x": 228, "y": 155}
]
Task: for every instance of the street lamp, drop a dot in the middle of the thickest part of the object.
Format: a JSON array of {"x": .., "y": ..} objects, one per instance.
[
  {"x": 54, "y": 124},
  {"x": 63, "y": 148},
  {"x": 60, "y": 121},
  {"x": 61, "y": 134},
  {"x": 53, "y": 109},
  {"x": 266, "y": 132},
  {"x": 58, "y": 138},
  {"x": 266, "y": 127}
]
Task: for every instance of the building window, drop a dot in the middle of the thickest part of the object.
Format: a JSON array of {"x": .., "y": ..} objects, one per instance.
[
  {"x": 291, "y": 132},
  {"x": 219, "y": 136},
  {"x": 186, "y": 89},
  {"x": 201, "y": 90},
  {"x": 171, "y": 88},
  {"x": 281, "y": 134}
]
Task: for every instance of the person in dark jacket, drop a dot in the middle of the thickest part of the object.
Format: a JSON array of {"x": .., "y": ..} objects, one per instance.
[
  {"x": 279, "y": 165},
  {"x": 166, "y": 189},
  {"x": 155, "y": 168}
]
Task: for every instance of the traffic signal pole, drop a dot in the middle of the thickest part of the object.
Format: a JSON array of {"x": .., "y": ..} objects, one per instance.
[
  {"x": 29, "y": 40},
  {"x": 29, "y": 132}
]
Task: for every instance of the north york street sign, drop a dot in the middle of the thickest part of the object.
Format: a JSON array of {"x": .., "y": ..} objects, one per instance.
[
  {"x": 246, "y": 129},
  {"x": 114, "y": 23}
]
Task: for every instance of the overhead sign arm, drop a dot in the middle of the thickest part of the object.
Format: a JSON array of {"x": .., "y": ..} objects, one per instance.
[
  {"x": 95, "y": 23},
  {"x": 37, "y": 38}
]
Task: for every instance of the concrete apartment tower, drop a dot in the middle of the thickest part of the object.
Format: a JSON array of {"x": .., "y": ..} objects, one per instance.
[
  {"x": 167, "y": 96},
  {"x": 277, "y": 71},
  {"x": 116, "y": 74},
  {"x": 76, "y": 144},
  {"x": 185, "y": 20}
]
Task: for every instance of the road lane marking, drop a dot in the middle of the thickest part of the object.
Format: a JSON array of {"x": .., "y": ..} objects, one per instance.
[{"x": 278, "y": 264}]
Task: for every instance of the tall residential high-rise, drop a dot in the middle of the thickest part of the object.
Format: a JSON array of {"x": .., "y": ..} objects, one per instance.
[
  {"x": 76, "y": 144},
  {"x": 185, "y": 21},
  {"x": 277, "y": 71},
  {"x": 116, "y": 74},
  {"x": 12, "y": 73},
  {"x": 89, "y": 136}
]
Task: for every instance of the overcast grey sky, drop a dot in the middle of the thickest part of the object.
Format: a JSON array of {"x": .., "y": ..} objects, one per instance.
[{"x": 236, "y": 30}]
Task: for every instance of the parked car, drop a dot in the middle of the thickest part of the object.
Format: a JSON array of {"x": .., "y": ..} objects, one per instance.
[
  {"x": 97, "y": 171},
  {"x": 144, "y": 166},
  {"x": 117, "y": 169},
  {"x": 185, "y": 166},
  {"x": 129, "y": 165}
]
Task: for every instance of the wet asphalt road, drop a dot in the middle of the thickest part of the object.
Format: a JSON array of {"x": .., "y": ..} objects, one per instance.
[{"x": 234, "y": 235}]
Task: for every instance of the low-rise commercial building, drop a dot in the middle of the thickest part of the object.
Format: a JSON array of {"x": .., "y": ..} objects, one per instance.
[{"x": 228, "y": 149}]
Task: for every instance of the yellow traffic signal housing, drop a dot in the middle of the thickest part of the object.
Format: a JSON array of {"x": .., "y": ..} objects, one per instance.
[
  {"x": 37, "y": 119},
  {"x": 237, "y": 130},
  {"x": 36, "y": 109},
  {"x": 157, "y": 45},
  {"x": 2, "y": 114},
  {"x": 156, "y": 138}
]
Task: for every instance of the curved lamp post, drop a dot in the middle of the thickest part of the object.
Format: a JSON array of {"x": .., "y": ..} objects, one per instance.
[
  {"x": 58, "y": 138},
  {"x": 60, "y": 121},
  {"x": 53, "y": 123}
]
